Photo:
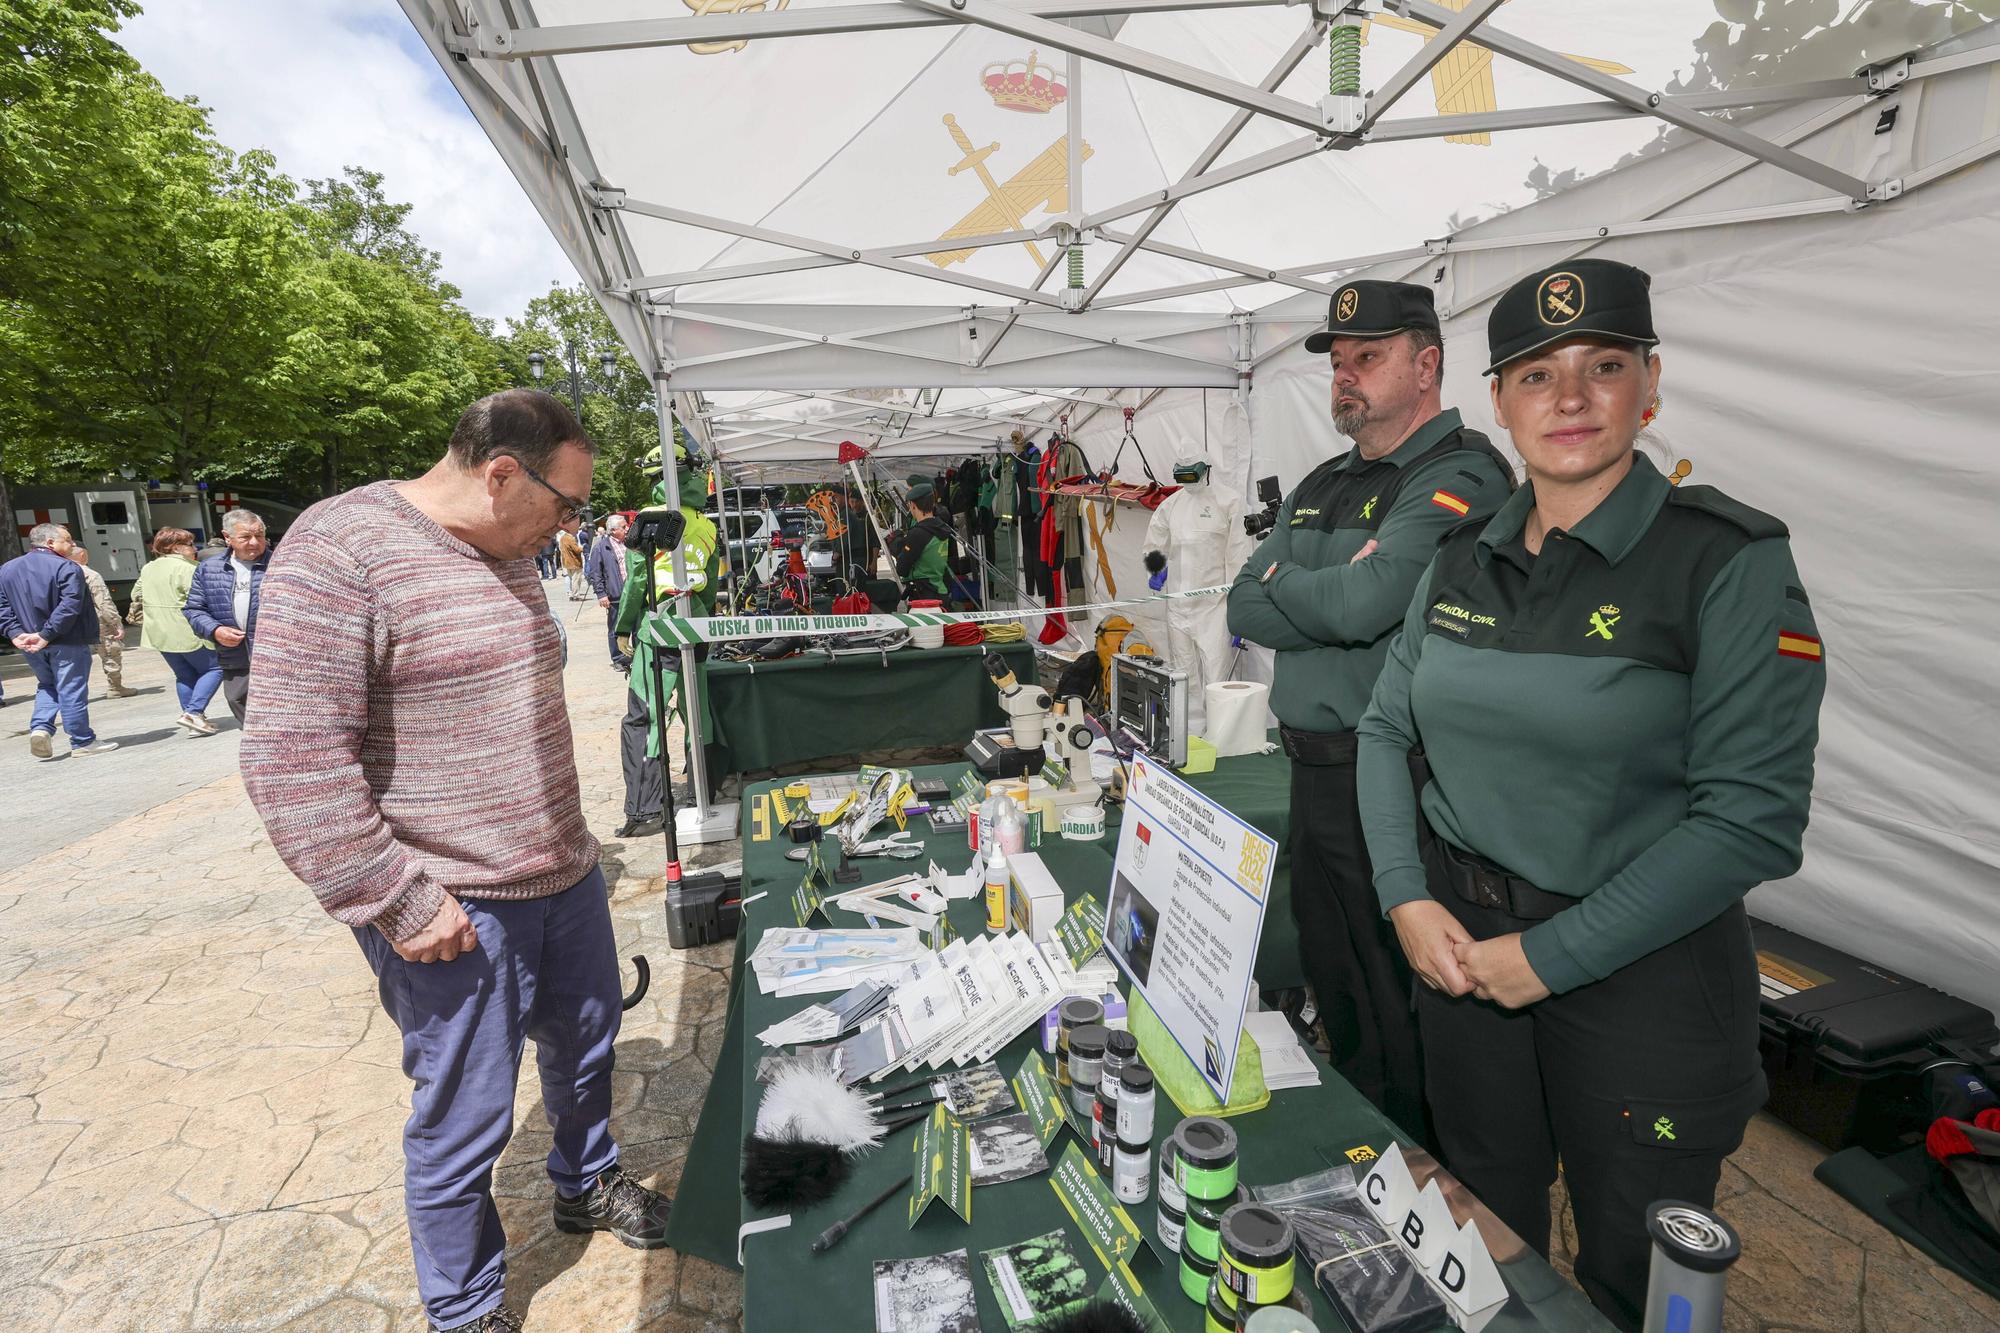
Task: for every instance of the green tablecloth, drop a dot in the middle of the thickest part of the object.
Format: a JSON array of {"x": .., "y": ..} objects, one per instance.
[
  {"x": 787, "y": 1287},
  {"x": 798, "y": 709}
]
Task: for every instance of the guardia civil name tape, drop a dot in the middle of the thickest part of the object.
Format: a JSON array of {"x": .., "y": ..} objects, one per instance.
[{"x": 664, "y": 629}]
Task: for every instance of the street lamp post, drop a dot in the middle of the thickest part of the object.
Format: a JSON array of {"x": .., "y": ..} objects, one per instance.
[{"x": 607, "y": 362}]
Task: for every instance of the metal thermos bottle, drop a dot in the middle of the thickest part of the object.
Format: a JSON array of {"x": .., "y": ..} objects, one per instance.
[{"x": 1692, "y": 1252}]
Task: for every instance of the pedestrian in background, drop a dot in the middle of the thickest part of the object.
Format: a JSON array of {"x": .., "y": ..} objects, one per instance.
[
  {"x": 545, "y": 561},
  {"x": 606, "y": 571},
  {"x": 45, "y": 611},
  {"x": 110, "y": 647},
  {"x": 158, "y": 600},
  {"x": 572, "y": 563},
  {"x": 223, "y": 599}
]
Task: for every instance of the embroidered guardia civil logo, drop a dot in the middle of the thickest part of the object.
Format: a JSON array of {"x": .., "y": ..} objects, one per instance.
[
  {"x": 1368, "y": 510},
  {"x": 1559, "y": 299},
  {"x": 1602, "y": 621},
  {"x": 1344, "y": 307}
]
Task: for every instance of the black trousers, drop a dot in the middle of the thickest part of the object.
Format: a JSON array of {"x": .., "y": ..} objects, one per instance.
[
  {"x": 236, "y": 691},
  {"x": 644, "y": 793},
  {"x": 1359, "y": 977},
  {"x": 618, "y": 659},
  {"x": 1641, "y": 1083}
]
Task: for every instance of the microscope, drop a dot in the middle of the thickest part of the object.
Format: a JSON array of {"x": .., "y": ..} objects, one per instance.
[{"x": 1015, "y": 750}]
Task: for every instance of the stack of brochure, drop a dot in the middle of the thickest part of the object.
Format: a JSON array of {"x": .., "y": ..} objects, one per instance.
[{"x": 1286, "y": 1062}]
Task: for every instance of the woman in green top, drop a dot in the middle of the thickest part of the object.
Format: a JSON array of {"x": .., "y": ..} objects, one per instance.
[
  {"x": 1614, "y": 685},
  {"x": 158, "y": 597}
]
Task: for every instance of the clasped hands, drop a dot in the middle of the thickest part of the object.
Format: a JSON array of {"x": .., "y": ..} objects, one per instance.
[{"x": 1447, "y": 958}]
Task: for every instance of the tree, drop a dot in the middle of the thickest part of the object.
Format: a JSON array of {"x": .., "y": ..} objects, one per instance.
[{"x": 623, "y": 421}]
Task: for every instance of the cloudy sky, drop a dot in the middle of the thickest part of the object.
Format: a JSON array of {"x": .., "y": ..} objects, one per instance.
[{"x": 324, "y": 84}]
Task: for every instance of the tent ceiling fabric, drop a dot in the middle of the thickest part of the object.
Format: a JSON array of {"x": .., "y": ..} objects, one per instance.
[{"x": 872, "y": 204}]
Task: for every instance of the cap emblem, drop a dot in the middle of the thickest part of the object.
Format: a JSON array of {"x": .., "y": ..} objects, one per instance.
[
  {"x": 1344, "y": 304},
  {"x": 1559, "y": 300}
]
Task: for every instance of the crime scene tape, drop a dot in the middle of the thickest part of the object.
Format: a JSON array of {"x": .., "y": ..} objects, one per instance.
[{"x": 665, "y": 630}]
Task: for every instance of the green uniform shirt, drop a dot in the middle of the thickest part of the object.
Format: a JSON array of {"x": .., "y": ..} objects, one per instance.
[
  {"x": 1627, "y": 718},
  {"x": 1330, "y": 617},
  {"x": 703, "y": 562}
]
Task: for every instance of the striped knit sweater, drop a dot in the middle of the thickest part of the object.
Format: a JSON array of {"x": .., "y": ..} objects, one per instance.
[{"x": 407, "y": 730}]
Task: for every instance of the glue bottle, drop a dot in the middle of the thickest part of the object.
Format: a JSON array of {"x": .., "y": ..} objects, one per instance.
[{"x": 996, "y": 888}]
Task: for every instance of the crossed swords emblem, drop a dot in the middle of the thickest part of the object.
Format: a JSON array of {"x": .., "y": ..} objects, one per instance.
[{"x": 1600, "y": 625}]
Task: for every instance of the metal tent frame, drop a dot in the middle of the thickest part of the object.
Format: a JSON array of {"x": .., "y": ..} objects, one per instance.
[{"x": 1057, "y": 344}]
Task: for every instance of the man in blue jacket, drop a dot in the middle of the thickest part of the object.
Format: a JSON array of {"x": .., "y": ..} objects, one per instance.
[
  {"x": 222, "y": 601},
  {"x": 606, "y": 571},
  {"x": 45, "y": 611}
]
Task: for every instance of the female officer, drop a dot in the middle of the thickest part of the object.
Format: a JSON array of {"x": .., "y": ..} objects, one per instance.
[{"x": 1614, "y": 684}]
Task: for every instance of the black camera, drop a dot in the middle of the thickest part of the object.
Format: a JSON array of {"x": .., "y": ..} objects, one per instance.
[
  {"x": 656, "y": 530},
  {"x": 1265, "y": 519}
]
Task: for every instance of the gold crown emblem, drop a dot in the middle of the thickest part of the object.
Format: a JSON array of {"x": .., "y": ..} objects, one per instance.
[
  {"x": 1023, "y": 85},
  {"x": 1607, "y": 610}
]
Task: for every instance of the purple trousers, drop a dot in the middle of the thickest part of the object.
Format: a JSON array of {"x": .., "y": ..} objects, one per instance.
[{"x": 546, "y": 968}]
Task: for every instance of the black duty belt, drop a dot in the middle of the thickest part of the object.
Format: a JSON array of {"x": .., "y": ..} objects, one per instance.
[
  {"x": 1484, "y": 884},
  {"x": 1319, "y": 748}
]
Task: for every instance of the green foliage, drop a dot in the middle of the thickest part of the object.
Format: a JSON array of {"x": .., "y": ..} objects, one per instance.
[
  {"x": 619, "y": 413},
  {"x": 183, "y": 311}
]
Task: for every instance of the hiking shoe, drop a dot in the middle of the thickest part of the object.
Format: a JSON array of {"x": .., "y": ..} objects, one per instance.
[
  {"x": 122, "y": 691},
  {"x": 496, "y": 1320},
  {"x": 39, "y": 744},
  {"x": 643, "y": 826},
  {"x": 95, "y": 747},
  {"x": 619, "y": 1204}
]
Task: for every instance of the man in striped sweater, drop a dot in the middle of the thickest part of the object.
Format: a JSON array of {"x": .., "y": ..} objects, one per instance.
[{"x": 408, "y": 749}]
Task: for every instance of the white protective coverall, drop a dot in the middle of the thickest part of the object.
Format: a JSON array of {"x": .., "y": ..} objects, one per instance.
[{"x": 1199, "y": 529}]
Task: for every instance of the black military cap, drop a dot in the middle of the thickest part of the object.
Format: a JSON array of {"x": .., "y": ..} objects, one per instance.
[
  {"x": 1599, "y": 297},
  {"x": 1369, "y": 309}
]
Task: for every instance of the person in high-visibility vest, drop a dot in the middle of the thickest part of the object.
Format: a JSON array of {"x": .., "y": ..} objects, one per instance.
[{"x": 638, "y": 742}]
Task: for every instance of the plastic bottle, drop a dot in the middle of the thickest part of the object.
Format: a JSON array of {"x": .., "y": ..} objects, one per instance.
[
  {"x": 997, "y": 882},
  {"x": 1010, "y": 827}
]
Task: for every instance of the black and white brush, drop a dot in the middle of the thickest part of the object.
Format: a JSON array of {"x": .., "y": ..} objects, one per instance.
[{"x": 809, "y": 1125}]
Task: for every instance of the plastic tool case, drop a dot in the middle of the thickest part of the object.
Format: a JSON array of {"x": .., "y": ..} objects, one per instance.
[
  {"x": 1845, "y": 1043},
  {"x": 704, "y": 908}
]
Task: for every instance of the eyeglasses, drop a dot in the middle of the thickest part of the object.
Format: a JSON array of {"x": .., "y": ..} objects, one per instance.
[{"x": 572, "y": 509}]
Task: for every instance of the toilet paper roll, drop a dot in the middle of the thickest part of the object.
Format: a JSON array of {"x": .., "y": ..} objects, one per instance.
[{"x": 1236, "y": 710}]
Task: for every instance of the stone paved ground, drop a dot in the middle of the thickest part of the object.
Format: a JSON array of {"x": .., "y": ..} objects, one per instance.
[{"x": 200, "y": 1102}]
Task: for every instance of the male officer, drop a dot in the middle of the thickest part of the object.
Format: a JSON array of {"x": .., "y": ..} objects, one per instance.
[{"x": 1327, "y": 590}]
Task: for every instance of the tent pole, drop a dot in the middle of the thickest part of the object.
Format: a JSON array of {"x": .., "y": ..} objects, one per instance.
[{"x": 691, "y": 682}]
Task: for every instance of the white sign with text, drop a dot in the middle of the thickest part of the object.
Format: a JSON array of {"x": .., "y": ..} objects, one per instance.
[{"x": 1186, "y": 911}]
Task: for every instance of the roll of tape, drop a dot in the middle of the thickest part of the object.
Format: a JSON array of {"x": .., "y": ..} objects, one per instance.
[
  {"x": 1235, "y": 712},
  {"x": 1083, "y": 823}
]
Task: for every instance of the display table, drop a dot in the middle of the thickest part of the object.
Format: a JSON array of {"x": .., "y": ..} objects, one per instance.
[
  {"x": 787, "y": 1287},
  {"x": 798, "y": 709}
]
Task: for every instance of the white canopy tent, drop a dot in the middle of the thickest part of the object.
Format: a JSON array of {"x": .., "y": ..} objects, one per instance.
[{"x": 759, "y": 194}]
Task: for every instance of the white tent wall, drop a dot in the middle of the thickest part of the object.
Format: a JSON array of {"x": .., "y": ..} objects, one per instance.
[
  {"x": 1836, "y": 371},
  {"x": 1832, "y": 367}
]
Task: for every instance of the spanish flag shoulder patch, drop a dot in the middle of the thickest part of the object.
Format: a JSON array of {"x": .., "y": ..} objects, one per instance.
[
  {"x": 1799, "y": 645},
  {"x": 1446, "y": 500}
]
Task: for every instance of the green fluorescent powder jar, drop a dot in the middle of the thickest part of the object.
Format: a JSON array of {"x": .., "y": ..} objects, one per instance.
[
  {"x": 1205, "y": 1158},
  {"x": 1220, "y": 1318},
  {"x": 1256, "y": 1263},
  {"x": 1196, "y": 1274},
  {"x": 1201, "y": 1238}
]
